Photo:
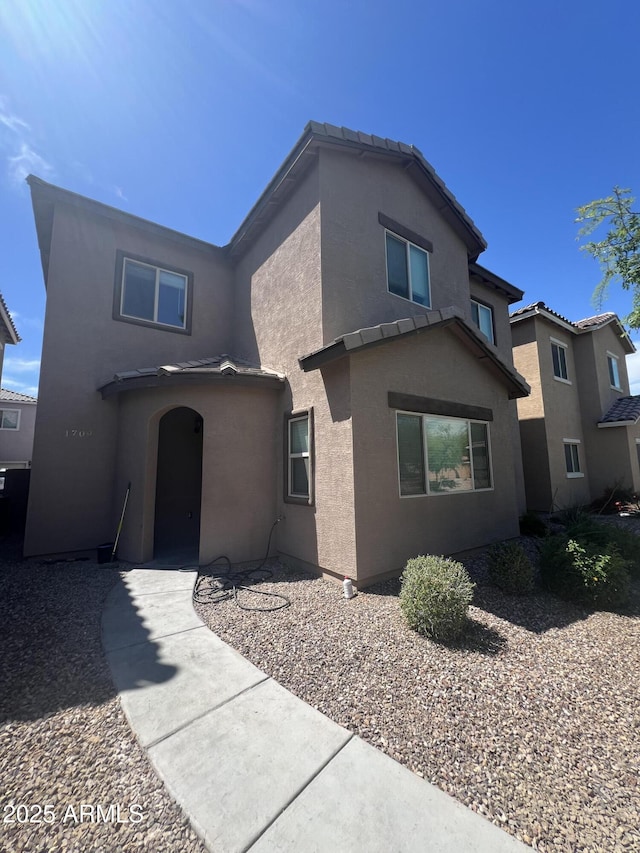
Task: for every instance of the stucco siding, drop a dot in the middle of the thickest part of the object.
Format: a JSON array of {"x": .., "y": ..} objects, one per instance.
[
  {"x": 353, "y": 191},
  {"x": 391, "y": 528},
  {"x": 74, "y": 450},
  {"x": 17, "y": 445}
]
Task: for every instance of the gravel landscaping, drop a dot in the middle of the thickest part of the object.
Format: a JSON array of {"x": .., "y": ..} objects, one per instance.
[
  {"x": 533, "y": 720},
  {"x": 64, "y": 740}
]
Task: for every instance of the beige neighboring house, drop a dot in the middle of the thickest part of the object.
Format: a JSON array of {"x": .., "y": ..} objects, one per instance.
[
  {"x": 344, "y": 365},
  {"x": 580, "y": 426},
  {"x": 17, "y": 423},
  {"x": 8, "y": 332}
]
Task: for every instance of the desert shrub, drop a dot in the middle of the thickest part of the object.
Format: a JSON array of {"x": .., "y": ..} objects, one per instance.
[
  {"x": 586, "y": 529},
  {"x": 611, "y": 496},
  {"x": 435, "y": 595},
  {"x": 532, "y": 525},
  {"x": 510, "y": 569},
  {"x": 585, "y": 573}
]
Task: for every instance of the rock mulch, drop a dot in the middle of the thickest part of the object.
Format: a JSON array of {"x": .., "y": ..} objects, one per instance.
[
  {"x": 64, "y": 740},
  {"x": 533, "y": 720}
]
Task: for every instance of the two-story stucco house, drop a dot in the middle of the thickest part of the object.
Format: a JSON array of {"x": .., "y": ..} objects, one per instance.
[
  {"x": 579, "y": 427},
  {"x": 17, "y": 425},
  {"x": 344, "y": 365}
]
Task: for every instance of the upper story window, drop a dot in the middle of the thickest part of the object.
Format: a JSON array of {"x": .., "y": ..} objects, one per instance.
[
  {"x": 152, "y": 294},
  {"x": 482, "y": 316},
  {"x": 559, "y": 356},
  {"x": 408, "y": 270},
  {"x": 614, "y": 372},
  {"x": 9, "y": 418},
  {"x": 438, "y": 455}
]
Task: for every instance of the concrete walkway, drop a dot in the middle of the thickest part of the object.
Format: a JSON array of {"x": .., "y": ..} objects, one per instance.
[{"x": 253, "y": 766}]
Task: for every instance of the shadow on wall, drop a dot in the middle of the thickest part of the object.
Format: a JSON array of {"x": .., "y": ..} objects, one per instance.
[{"x": 51, "y": 655}]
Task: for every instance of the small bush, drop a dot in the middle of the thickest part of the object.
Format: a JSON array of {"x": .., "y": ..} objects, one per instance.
[
  {"x": 583, "y": 572},
  {"x": 510, "y": 569},
  {"x": 435, "y": 595},
  {"x": 532, "y": 525}
]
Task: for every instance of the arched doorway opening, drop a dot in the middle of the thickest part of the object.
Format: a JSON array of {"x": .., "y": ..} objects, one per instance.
[{"x": 178, "y": 486}]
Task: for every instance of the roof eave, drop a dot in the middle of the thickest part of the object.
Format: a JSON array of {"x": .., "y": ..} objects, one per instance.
[
  {"x": 191, "y": 377},
  {"x": 513, "y": 294}
]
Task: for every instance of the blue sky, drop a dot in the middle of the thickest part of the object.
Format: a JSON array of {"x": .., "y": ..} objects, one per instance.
[{"x": 180, "y": 111}]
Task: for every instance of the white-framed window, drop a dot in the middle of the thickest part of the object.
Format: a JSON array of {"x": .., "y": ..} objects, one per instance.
[
  {"x": 572, "y": 457},
  {"x": 559, "y": 358},
  {"x": 10, "y": 419},
  {"x": 299, "y": 458},
  {"x": 407, "y": 270},
  {"x": 440, "y": 455},
  {"x": 482, "y": 316},
  {"x": 152, "y": 294},
  {"x": 614, "y": 371}
]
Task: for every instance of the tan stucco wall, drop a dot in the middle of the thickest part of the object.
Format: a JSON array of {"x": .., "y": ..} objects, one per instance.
[
  {"x": 354, "y": 280},
  {"x": 17, "y": 445},
  {"x": 390, "y": 529},
  {"x": 241, "y": 429},
  {"x": 70, "y": 501},
  {"x": 278, "y": 312}
]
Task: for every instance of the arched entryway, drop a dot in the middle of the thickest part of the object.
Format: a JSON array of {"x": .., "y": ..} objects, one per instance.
[{"x": 178, "y": 486}]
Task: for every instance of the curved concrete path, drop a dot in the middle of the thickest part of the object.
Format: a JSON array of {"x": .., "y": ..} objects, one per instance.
[{"x": 253, "y": 766}]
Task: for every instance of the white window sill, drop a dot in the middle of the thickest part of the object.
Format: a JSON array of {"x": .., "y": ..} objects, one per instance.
[
  {"x": 615, "y": 388},
  {"x": 575, "y": 476},
  {"x": 560, "y": 379}
]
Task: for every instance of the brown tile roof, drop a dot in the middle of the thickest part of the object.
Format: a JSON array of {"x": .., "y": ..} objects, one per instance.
[
  {"x": 303, "y": 154},
  {"x": 8, "y": 331},
  {"x": 589, "y": 324},
  {"x": 375, "y": 335},
  {"x": 15, "y": 397},
  {"x": 625, "y": 410},
  {"x": 215, "y": 368}
]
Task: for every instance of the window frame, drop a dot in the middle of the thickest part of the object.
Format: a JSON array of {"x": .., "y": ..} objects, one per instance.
[
  {"x": 423, "y": 416},
  {"x": 119, "y": 290},
  {"x": 561, "y": 347},
  {"x": 408, "y": 245},
  {"x": 489, "y": 308},
  {"x": 15, "y": 428},
  {"x": 613, "y": 360},
  {"x": 574, "y": 444},
  {"x": 288, "y": 495}
]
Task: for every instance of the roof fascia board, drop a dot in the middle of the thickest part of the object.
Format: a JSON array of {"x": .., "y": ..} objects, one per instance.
[
  {"x": 540, "y": 312},
  {"x": 617, "y": 424},
  {"x": 512, "y": 293},
  {"x": 139, "y": 383}
]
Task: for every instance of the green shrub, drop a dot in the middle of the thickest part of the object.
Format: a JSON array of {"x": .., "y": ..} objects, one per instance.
[
  {"x": 586, "y": 529},
  {"x": 584, "y": 572},
  {"x": 435, "y": 595},
  {"x": 532, "y": 525},
  {"x": 510, "y": 569}
]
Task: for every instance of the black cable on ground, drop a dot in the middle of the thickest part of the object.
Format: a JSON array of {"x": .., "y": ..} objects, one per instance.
[{"x": 216, "y": 583}]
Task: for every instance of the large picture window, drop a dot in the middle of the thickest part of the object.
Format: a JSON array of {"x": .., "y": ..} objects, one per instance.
[
  {"x": 299, "y": 475},
  {"x": 152, "y": 294},
  {"x": 438, "y": 455},
  {"x": 407, "y": 270}
]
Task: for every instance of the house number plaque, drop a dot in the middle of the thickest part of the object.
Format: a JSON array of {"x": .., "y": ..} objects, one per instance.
[{"x": 78, "y": 433}]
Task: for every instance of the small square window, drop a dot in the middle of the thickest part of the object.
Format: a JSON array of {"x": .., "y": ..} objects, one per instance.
[
  {"x": 614, "y": 372},
  {"x": 408, "y": 270},
  {"x": 482, "y": 316},
  {"x": 150, "y": 294},
  {"x": 10, "y": 419},
  {"x": 559, "y": 356}
]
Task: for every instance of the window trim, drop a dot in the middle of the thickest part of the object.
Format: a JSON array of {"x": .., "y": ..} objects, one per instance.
[
  {"x": 121, "y": 257},
  {"x": 561, "y": 346},
  {"x": 573, "y": 442},
  {"x": 425, "y": 455},
  {"x": 302, "y": 500},
  {"x": 614, "y": 359},
  {"x": 18, "y": 412},
  {"x": 489, "y": 308},
  {"x": 424, "y": 251}
]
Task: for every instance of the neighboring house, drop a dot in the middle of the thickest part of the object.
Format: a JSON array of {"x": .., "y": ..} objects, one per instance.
[
  {"x": 17, "y": 422},
  {"x": 579, "y": 427},
  {"x": 344, "y": 365}
]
